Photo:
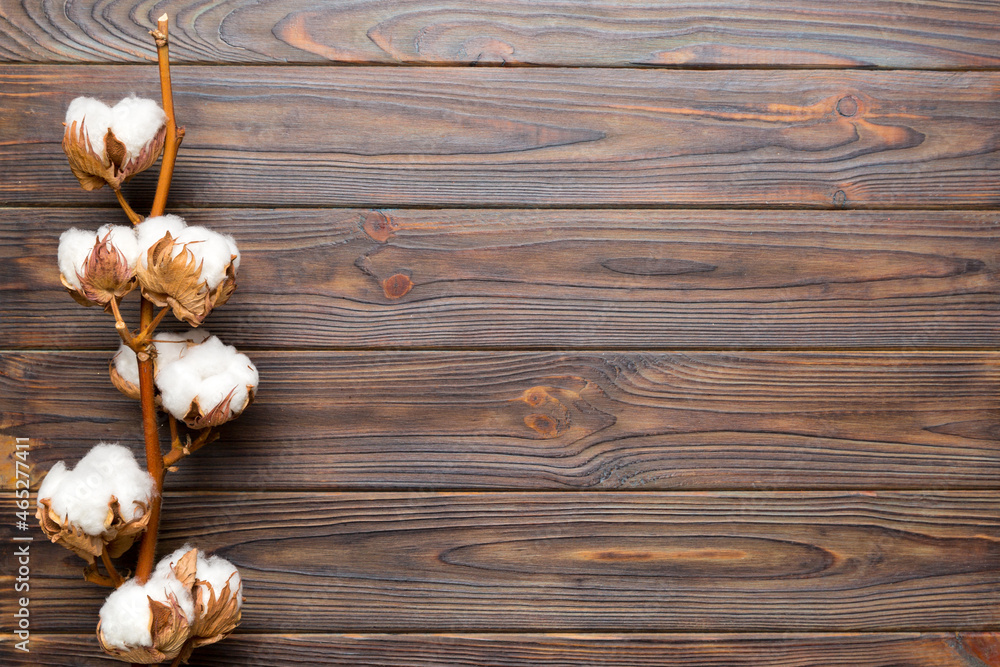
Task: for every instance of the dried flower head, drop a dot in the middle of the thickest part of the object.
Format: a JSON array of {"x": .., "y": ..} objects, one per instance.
[
  {"x": 208, "y": 384},
  {"x": 99, "y": 504},
  {"x": 96, "y": 268},
  {"x": 217, "y": 596},
  {"x": 190, "y": 269},
  {"x": 111, "y": 145},
  {"x": 149, "y": 623}
]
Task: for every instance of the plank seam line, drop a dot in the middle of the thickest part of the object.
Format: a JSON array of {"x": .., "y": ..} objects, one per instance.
[{"x": 332, "y": 64}]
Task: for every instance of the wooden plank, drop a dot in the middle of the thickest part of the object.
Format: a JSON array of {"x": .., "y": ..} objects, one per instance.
[
  {"x": 555, "y": 420},
  {"x": 378, "y": 136},
  {"x": 555, "y": 650},
  {"x": 564, "y": 279},
  {"x": 618, "y": 562},
  {"x": 796, "y": 33}
]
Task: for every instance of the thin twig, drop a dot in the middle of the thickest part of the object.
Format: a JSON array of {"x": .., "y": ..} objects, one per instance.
[
  {"x": 205, "y": 437},
  {"x": 132, "y": 215},
  {"x": 120, "y": 325},
  {"x": 172, "y": 141},
  {"x": 143, "y": 337},
  {"x": 110, "y": 567},
  {"x": 91, "y": 574},
  {"x": 175, "y": 439}
]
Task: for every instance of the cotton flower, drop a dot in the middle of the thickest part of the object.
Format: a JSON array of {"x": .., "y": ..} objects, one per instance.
[
  {"x": 208, "y": 384},
  {"x": 190, "y": 269},
  {"x": 99, "y": 504},
  {"x": 96, "y": 267},
  {"x": 149, "y": 623},
  {"x": 217, "y": 595},
  {"x": 112, "y": 144},
  {"x": 168, "y": 347}
]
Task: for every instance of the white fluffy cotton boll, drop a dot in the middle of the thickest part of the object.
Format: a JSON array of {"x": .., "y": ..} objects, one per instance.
[
  {"x": 169, "y": 348},
  {"x": 218, "y": 572},
  {"x": 126, "y": 616},
  {"x": 123, "y": 239},
  {"x": 207, "y": 374},
  {"x": 98, "y": 266},
  {"x": 152, "y": 230},
  {"x": 75, "y": 246},
  {"x": 94, "y": 116},
  {"x": 81, "y": 496},
  {"x": 135, "y": 122},
  {"x": 213, "y": 569},
  {"x": 213, "y": 251}
]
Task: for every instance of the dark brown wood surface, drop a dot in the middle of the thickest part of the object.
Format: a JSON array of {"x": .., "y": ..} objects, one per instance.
[
  {"x": 798, "y": 33},
  {"x": 605, "y": 279},
  {"x": 382, "y": 136},
  {"x": 647, "y": 561},
  {"x": 677, "y": 347},
  {"x": 564, "y": 650},
  {"x": 466, "y": 420}
]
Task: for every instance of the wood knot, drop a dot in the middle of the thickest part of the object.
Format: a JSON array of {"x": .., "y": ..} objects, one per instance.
[
  {"x": 536, "y": 396},
  {"x": 378, "y": 226},
  {"x": 847, "y": 106},
  {"x": 840, "y": 198},
  {"x": 396, "y": 286},
  {"x": 544, "y": 425}
]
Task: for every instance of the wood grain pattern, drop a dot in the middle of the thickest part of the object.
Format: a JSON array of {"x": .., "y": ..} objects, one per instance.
[
  {"x": 378, "y": 136},
  {"x": 556, "y": 420},
  {"x": 555, "y": 650},
  {"x": 796, "y": 33},
  {"x": 364, "y": 278},
  {"x": 711, "y": 562}
]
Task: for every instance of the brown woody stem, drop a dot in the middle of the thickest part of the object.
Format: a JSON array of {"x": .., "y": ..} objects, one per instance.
[
  {"x": 132, "y": 215},
  {"x": 116, "y": 578},
  {"x": 173, "y": 139},
  {"x": 154, "y": 456}
]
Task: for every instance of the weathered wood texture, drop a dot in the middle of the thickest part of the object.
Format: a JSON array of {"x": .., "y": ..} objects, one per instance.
[
  {"x": 378, "y": 136},
  {"x": 364, "y": 278},
  {"x": 556, "y": 420},
  {"x": 554, "y": 650},
  {"x": 810, "y": 33},
  {"x": 712, "y": 562}
]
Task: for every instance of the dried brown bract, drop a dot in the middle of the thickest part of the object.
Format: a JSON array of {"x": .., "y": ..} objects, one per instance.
[
  {"x": 94, "y": 167},
  {"x": 107, "y": 274},
  {"x": 171, "y": 276},
  {"x": 217, "y": 613},
  {"x": 118, "y": 535}
]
